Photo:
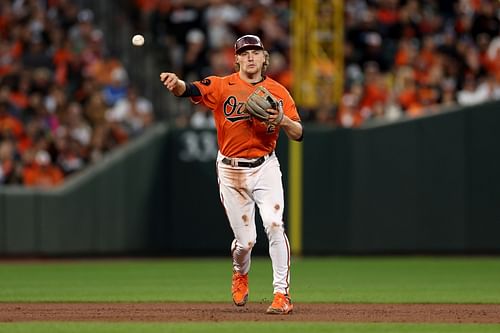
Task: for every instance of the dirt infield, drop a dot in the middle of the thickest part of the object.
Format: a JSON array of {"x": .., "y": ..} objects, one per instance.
[{"x": 175, "y": 312}]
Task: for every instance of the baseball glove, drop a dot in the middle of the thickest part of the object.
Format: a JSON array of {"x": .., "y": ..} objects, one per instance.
[{"x": 261, "y": 100}]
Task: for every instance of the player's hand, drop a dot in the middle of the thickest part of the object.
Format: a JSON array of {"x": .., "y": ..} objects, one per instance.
[
  {"x": 275, "y": 116},
  {"x": 170, "y": 80}
]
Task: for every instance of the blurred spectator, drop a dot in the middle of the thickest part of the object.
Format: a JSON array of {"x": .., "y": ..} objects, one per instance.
[
  {"x": 76, "y": 126},
  {"x": 279, "y": 70},
  {"x": 63, "y": 92},
  {"x": 42, "y": 172},
  {"x": 171, "y": 24},
  {"x": 70, "y": 157},
  {"x": 435, "y": 54},
  {"x": 486, "y": 19},
  {"x": 405, "y": 57},
  {"x": 117, "y": 88},
  {"x": 349, "y": 114},
  {"x": 10, "y": 126},
  {"x": 8, "y": 162},
  {"x": 202, "y": 118},
  {"x": 57, "y": 81},
  {"x": 195, "y": 61},
  {"x": 132, "y": 112},
  {"x": 473, "y": 92},
  {"x": 221, "y": 16},
  {"x": 196, "y": 38}
]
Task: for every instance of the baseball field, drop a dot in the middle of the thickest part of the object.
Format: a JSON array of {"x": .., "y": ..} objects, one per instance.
[{"x": 331, "y": 294}]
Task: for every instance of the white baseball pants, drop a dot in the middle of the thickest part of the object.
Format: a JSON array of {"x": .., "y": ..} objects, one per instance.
[{"x": 241, "y": 188}]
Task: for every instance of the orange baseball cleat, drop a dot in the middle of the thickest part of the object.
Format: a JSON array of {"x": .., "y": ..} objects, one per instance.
[
  {"x": 281, "y": 305},
  {"x": 239, "y": 289}
]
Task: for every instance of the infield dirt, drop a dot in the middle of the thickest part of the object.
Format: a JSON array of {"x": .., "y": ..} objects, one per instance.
[{"x": 183, "y": 312}]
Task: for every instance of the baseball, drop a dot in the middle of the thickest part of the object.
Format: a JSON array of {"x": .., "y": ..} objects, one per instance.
[{"x": 138, "y": 40}]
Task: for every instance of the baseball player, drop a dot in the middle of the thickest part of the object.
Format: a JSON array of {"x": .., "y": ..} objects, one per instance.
[{"x": 247, "y": 167}]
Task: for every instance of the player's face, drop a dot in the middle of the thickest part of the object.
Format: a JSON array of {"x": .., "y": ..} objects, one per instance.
[{"x": 251, "y": 61}]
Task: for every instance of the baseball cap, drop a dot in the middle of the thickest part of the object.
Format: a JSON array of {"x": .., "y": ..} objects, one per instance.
[{"x": 247, "y": 42}]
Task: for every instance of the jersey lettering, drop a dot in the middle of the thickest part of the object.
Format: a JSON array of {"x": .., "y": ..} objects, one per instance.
[
  {"x": 239, "y": 134},
  {"x": 233, "y": 111}
]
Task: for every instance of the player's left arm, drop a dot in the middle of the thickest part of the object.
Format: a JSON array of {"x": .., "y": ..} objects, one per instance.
[
  {"x": 293, "y": 128},
  {"x": 291, "y": 121}
]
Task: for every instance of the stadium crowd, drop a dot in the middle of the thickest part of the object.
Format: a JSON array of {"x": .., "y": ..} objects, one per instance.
[
  {"x": 418, "y": 57},
  {"x": 64, "y": 100},
  {"x": 402, "y": 57}
]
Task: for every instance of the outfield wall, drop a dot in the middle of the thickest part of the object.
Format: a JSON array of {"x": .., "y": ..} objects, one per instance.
[
  {"x": 429, "y": 185},
  {"x": 109, "y": 208},
  {"x": 425, "y": 185}
]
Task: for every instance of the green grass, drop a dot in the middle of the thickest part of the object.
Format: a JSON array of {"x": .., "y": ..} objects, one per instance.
[
  {"x": 399, "y": 280},
  {"x": 244, "y": 327},
  {"x": 372, "y": 280}
]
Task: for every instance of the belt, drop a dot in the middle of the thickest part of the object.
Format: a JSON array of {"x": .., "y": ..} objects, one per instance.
[{"x": 244, "y": 164}]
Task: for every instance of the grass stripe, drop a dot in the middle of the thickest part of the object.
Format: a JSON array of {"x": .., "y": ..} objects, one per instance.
[
  {"x": 345, "y": 280},
  {"x": 244, "y": 327}
]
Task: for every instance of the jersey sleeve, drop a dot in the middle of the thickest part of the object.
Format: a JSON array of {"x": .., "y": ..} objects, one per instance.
[
  {"x": 289, "y": 107},
  {"x": 210, "y": 91}
]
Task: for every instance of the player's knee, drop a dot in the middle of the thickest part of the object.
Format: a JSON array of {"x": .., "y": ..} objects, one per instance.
[
  {"x": 247, "y": 246},
  {"x": 274, "y": 227}
]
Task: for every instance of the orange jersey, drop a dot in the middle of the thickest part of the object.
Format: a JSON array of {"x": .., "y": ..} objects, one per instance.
[{"x": 238, "y": 134}]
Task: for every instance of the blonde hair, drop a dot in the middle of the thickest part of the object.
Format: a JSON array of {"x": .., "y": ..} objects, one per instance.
[{"x": 264, "y": 66}]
